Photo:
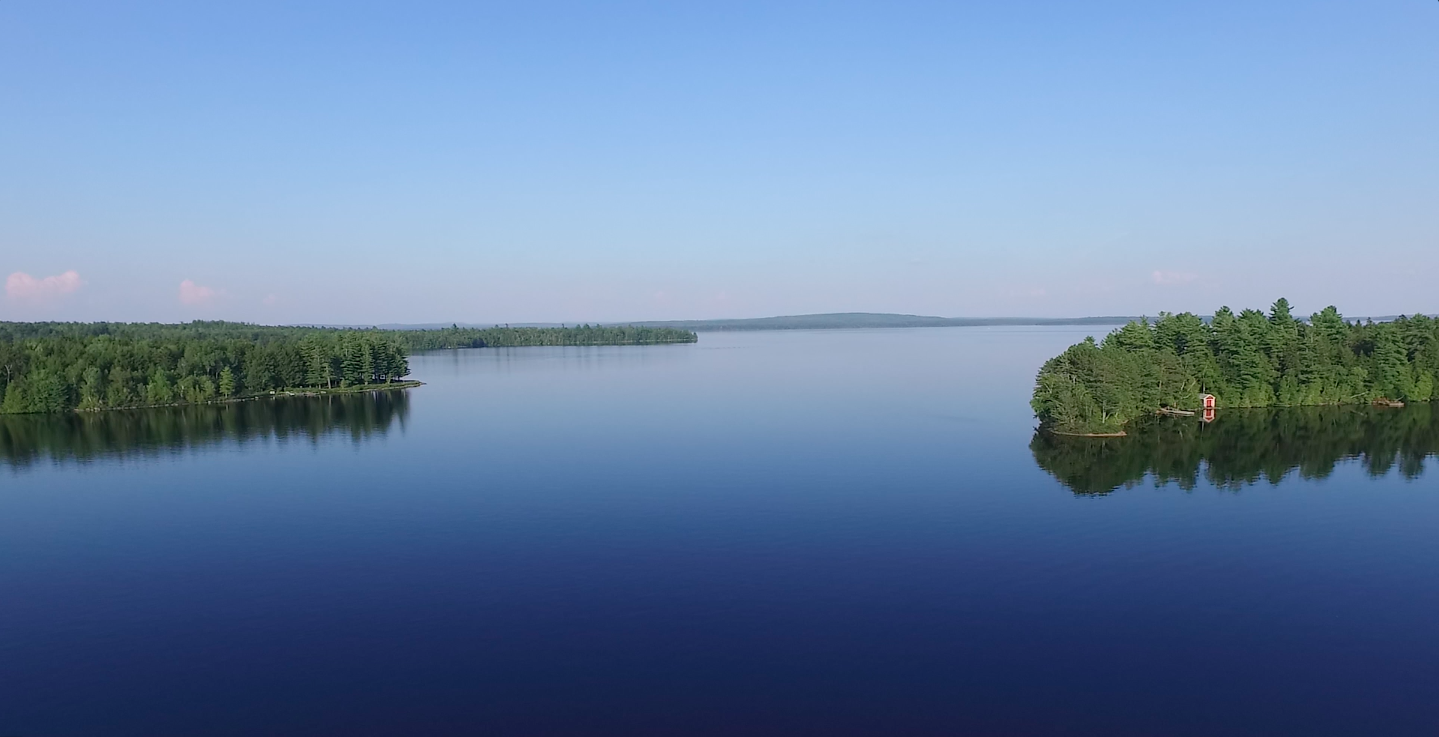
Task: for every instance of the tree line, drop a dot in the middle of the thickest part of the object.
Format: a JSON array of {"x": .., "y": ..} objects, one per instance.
[
  {"x": 132, "y": 367},
  {"x": 51, "y": 366},
  {"x": 1245, "y": 447},
  {"x": 1248, "y": 359},
  {"x": 580, "y": 335}
]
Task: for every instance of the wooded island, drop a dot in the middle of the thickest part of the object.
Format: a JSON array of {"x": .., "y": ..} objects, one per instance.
[
  {"x": 1246, "y": 360},
  {"x": 53, "y": 367}
]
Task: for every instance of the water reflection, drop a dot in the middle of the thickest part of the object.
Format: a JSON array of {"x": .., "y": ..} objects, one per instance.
[
  {"x": 85, "y": 436},
  {"x": 1244, "y": 447}
]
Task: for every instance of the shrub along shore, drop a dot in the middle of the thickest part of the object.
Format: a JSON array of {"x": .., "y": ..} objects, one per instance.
[
  {"x": 55, "y": 367},
  {"x": 1251, "y": 359}
]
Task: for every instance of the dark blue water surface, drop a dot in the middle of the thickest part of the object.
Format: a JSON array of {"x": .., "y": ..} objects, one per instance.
[{"x": 828, "y": 533}]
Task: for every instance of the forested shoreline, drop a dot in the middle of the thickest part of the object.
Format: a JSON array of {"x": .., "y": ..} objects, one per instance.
[
  {"x": 1249, "y": 359},
  {"x": 55, "y": 367},
  {"x": 506, "y": 337}
]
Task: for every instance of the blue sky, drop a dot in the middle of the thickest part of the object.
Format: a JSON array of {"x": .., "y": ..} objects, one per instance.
[{"x": 386, "y": 162}]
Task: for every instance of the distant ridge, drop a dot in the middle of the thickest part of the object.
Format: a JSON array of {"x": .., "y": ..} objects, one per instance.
[{"x": 843, "y": 320}]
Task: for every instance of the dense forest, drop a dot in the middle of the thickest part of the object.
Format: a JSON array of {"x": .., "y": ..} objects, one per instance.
[
  {"x": 1246, "y": 360},
  {"x": 1245, "y": 447},
  {"x": 51, "y": 367},
  {"x": 498, "y": 337},
  {"x": 82, "y": 436}
]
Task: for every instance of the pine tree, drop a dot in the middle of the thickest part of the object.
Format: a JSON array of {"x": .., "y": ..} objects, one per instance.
[{"x": 1392, "y": 377}]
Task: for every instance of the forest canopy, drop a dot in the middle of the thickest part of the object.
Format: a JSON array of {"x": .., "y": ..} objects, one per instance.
[
  {"x": 1249, "y": 359},
  {"x": 53, "y": 367},
  {"x": 506, "y": 337}
]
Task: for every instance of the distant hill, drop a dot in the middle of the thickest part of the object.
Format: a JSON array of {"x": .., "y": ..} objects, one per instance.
[
  {"x": 824, "y": 321},
  {"x": 842, "y": 320}
]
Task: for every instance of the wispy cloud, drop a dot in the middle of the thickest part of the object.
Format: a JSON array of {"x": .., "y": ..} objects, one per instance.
[
  {"x": 23, "y": 286},
  {"x": 194, "y": 294},
  {"x": 1173, "y": 277}
]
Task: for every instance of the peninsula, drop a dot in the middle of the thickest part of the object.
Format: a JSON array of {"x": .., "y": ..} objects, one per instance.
[
  {"x": 1251, "y": 359},
  {"x": 54, "y": 367}
]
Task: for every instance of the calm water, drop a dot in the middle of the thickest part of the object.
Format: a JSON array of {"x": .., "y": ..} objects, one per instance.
[{"x": 824, "y": 533}]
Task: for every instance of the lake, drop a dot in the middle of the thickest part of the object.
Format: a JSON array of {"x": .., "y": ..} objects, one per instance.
[{"x": 808, "y": 532}]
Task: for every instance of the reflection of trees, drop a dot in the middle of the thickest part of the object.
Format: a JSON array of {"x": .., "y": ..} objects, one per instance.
[
  {"x": 82, "y": 436},
  {"x": 1243, "y": 447}
]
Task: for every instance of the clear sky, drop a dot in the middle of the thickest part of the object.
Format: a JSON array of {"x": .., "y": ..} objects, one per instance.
[{"x": 355, "y": 162}]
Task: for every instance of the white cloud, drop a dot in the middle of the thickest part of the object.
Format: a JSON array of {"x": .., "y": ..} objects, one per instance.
[
  {"x": 23, "y": 286},
  {"x": 194, "y": 294}
]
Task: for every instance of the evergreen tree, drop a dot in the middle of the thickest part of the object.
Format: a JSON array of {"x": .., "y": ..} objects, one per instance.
[
  {"x": 49, "y": 366},
  {"x": 1245, "y": 360}
]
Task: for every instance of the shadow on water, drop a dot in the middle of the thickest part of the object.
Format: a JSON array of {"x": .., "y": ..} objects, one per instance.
[
  {"x": 1243, "y": 447},
  {"x": 87, "y": 436}
]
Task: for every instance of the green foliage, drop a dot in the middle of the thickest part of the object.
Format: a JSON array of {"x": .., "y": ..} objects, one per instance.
[
  {"x": 1245, "y": 360},
  {"x": 498, "y": 337},
  {"x": 49, "y": 367}
]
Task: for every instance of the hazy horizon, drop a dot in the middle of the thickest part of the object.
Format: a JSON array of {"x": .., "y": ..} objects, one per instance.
[{"x": 562, "y": 162}]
